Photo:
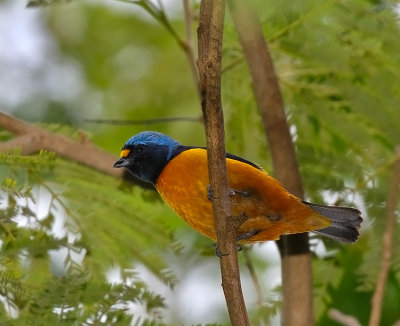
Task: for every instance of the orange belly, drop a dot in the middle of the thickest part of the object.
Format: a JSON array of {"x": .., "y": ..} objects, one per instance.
[{"x": 269, "y": 208}]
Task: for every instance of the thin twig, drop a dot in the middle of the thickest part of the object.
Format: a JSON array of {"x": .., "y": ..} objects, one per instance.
[
  {"x": 296, "y": 261},
  {"x": 210, "y": 31},
  {"x": 188, "y": 15},
  {"x": 387, "y": 240},
  {"x": 144, "y": 121},
  {"x": 253, "y": 275},
  {"x": 158, "y": 13},
  {"x": 342, "y": 318}
]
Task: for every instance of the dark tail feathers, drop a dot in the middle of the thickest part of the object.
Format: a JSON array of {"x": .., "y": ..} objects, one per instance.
[{"x": 345, "y": 222}]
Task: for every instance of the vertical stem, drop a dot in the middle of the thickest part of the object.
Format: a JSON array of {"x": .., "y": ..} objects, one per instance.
[
  {"x": 297, "y": 308},
  {"x": 210, "y": 31},
  {"x": 253, "y": 275},
  {"x": 387, "y": 240},
  {"x": 188, "y": 14}
]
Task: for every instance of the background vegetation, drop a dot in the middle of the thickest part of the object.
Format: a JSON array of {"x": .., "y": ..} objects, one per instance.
[{"x": 80, "y": 247}]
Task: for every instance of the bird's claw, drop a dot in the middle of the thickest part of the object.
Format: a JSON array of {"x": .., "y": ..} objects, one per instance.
[
  {"x": 210, "y": 196},
  {"x": 220, "y": 254},
  {"x": 231, "y": 192},
  {"x": 248, "y": 234}
]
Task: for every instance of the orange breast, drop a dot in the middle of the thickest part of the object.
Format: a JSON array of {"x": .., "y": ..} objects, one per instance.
[{"x": 271, "y": 211}]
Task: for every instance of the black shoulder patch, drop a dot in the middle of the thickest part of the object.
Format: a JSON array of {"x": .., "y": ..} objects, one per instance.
[
  {"x": 182, "y": 148},
  {"x": 238, "y": 158}
]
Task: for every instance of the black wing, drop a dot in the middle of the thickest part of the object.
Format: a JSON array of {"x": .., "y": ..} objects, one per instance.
[{"x": 182, "y": 148}]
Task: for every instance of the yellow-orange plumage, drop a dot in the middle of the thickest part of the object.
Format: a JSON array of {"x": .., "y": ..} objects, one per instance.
[
  {"x": 180, "y": 174},
  {"x": 270, "y": 209}
]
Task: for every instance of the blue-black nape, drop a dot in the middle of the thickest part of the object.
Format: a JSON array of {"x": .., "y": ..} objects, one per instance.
[{"x": 154, "y": 138}]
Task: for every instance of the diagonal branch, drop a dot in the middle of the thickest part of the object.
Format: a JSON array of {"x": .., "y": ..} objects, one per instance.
[
  {"x": 253, "y": 275},
  {"x": 340, "y": 317},
  {"x": 160, "y": 15},
  {"x": 128, "y": 122},
  {"x": 210, "y": 31},
  {"x": 391, "y": 204},
  {"x": 296, "y": 261},
  {"x": 32, "y": 139}
]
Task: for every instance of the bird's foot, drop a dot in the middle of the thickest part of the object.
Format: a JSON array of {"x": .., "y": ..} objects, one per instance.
[
  {"x": 220, "y": 254},
  {"x": 210, "y": 195},
  {"x": 250, "y": 233},
  {"x": 231, "y": 192},
  {"x": 238, "y": 221}
]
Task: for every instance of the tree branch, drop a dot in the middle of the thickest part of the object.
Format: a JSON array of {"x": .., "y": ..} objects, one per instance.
[
  {"x": 188, "y": 15},
  {"x": 296, "y": 261},
  {"x": 159, "y": 14},
  {"x": 387, "y": 240},
  {"x": 145, "y": 121},
  {"x": 210, "y": 31},
  {"x": 31, "y": 139},
  {"x": 253, "y": 275},
  {"x": 343, "y": 319}
]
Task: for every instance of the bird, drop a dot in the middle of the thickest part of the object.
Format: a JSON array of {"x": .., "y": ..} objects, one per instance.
[{"x": 180, "y": 175}]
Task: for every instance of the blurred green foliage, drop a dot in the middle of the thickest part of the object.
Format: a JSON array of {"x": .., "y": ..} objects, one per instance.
[{"x": 338, "y": 67}]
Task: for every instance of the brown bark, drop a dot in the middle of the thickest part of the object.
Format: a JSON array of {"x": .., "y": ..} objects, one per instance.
[
  {"x": 32, "y": 139},
  {"x": 387, "y": 248},
  {"x": 297, "y": 308},
  {"x": 210, "y": 31}
]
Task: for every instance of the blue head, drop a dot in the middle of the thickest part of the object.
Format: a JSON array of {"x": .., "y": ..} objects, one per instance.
[{"x": 146, "y": 154}]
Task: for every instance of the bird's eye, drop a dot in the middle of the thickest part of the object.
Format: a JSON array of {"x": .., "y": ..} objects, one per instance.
[{"x": 139, "y": 149}]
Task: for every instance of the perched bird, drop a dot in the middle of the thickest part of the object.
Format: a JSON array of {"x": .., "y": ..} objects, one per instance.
[{"x": 180, "y": 175}]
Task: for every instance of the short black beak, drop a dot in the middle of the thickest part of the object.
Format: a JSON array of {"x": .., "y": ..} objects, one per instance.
[{"x": 122, "y": 162}]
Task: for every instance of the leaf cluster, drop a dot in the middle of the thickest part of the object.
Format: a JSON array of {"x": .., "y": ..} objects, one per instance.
[{"x": 56, "y": 248}]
